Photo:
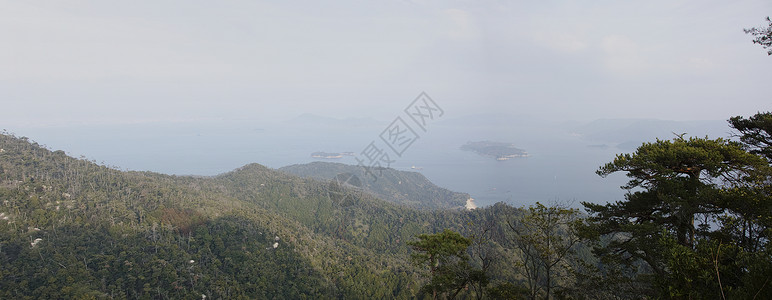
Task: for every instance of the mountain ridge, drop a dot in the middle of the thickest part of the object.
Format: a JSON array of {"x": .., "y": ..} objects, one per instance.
[
  {"x": 412, "y": 189},
  {"x": 137, "y": 229}
]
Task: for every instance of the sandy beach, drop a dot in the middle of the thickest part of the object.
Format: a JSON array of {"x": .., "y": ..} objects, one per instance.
[{"x": 470, "y": 204}]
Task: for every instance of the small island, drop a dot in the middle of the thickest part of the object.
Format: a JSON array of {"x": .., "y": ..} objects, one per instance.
[{"x": 497, "y": 150}]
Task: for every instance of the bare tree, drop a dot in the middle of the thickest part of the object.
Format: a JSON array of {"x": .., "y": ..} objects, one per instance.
[{"x": 545, "y": 238}]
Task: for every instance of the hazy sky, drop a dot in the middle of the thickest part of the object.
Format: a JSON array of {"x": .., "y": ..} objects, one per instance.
[{"x": 97, "y": 62}]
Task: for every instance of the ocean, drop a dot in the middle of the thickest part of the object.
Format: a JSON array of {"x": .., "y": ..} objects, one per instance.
[{"x": 560, "y": 167}]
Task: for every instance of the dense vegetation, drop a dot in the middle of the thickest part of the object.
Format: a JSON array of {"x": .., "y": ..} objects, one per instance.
[
  {"x": 695, "y": 224},
  {"x": 698, "y": 218},
  {"x": 72, "y": 223},
  {"x": 401, "y": 187},
  {"x": 497, "y": 150},
  {"x": 70, "y": 227}
]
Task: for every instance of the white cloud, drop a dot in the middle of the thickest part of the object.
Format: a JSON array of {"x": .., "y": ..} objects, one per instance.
[
  {"x": 458, "y": 24},
  {"x": 93, "y": 62},
  {"x": 561, "y": 41},
  {"x": 622, "y": 55}
]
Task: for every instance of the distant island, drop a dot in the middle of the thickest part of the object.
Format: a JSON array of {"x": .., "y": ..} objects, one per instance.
[
  {"x": 497, "y": 150},
  {"x": 331, "y": 155}
]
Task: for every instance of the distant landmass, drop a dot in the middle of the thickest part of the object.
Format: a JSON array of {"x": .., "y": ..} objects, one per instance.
[
  {"x": 497, "y": 150},
  {"x": 331, "y": 155},
  {"x": 72, "y": 229},
  {"x": 628, "y": 134},
  {"x": 401, "y": 187}
]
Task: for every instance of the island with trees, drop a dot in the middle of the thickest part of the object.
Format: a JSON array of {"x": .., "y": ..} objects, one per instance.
[{"x": 497, "y": 150}]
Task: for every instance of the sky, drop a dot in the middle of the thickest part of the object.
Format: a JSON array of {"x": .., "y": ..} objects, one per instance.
[{"x": 107, "y": 62}]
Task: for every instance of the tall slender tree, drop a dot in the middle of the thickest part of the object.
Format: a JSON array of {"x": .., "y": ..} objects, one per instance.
[{"x": 545, "y": 237}]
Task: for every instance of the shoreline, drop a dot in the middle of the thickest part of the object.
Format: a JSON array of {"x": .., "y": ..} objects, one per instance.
[{"x": 470, "y": 204}]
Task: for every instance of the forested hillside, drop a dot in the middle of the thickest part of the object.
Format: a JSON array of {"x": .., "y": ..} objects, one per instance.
[
  {"x": 696, "y": 223},
  {"x": 71, "y": 227},
  {"x": 401, "y": 187}
]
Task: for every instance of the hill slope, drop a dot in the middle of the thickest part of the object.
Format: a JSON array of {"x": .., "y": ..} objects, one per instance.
[
  {"x": 71, "y": 228},
  {"x": 401, "y": 187}
]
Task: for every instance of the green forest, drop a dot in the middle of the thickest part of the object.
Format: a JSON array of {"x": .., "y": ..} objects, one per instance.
[
  {"x": 407, "y": 188},
  {"x": 695, "y": 223}
]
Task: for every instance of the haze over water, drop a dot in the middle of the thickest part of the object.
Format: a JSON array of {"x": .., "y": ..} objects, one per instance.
[
  {"x": 204, "y": 88},
  {"x": 560, "y": 166}
]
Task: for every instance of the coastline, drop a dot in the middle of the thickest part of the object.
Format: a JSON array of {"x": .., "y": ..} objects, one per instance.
[{"x": 470, "y": 204}]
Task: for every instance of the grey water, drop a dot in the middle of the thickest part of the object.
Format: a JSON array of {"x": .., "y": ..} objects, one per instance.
[{"x": 560, "y": 167}]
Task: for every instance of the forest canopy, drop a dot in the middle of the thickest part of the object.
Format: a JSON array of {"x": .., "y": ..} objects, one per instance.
[{"x": 696, "y": 222}]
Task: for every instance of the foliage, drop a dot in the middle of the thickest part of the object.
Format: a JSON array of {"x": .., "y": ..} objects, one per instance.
[
  {"x": 687, "y": 199},
  {"x": 485, "y": 253},
  {"x": 445, "y": 255},
  {"x": 400, "y": 187},
  {"x": 508, "y": 290},
  {"x": 762, "y": 36},
  {"x": 755, "y": 133},
  {"x": 546, "y": 238},
  {"x": 333, "y": 250},
  {"x": 224, "y": 258},
  {"x": 45, "y": 194},
  {"x": 695, "y": 223}
]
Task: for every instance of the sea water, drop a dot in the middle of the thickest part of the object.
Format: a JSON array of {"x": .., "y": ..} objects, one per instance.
[{"x": 560, "y": 166}]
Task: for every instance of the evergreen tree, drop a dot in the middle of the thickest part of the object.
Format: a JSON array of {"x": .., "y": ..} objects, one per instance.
[{"x": 684, "y": 194}]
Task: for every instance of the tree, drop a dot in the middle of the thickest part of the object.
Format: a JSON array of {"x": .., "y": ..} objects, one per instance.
[
  {"x": 482, "y": 251},
  {"x": 545, "y": 238},
  {"x": 445, "y": 254},
  {"x": 749, "y": 224},
  {"x": 681, "y": 193},
  {"x": 755, "y": 133},
  {"x": 762, "y": 36},
  {"x": 752, "y": 203}
]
